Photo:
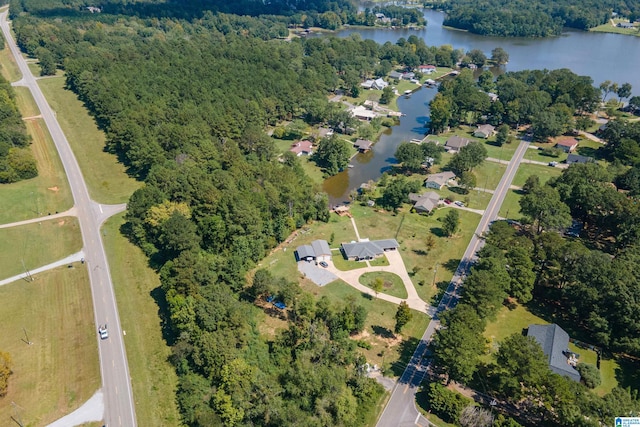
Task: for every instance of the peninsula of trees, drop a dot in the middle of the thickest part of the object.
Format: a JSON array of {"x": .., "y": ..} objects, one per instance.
[{"x": 539, "y": 18}]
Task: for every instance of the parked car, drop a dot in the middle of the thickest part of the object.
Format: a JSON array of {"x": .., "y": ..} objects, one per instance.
[
  {"x": 447, "y": 201},
  {"x": 553, "y": 164},
  {"x": 324, "y": 264},
  {"x": 104, "y": 332},
  {"x": 459, "y": 203}
]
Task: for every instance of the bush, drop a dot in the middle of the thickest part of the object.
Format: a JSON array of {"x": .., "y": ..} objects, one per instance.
[
  {"x": 590, "y": 375},
  {"x": 445, "y": 403}
]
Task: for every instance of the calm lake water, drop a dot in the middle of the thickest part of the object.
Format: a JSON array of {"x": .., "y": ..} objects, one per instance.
[{"x": 602, "y": 56}]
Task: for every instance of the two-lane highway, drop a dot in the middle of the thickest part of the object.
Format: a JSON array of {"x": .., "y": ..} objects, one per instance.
[
  {"x": 116, "y": 385},
  {"x": 401, "y": 410}
]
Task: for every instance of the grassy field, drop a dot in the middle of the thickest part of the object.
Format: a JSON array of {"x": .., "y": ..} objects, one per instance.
[
  {"x": 48, "y": 192},
  {"x": 535, "y": 155},
  {"x": 60, "y": 370},
  {"x": 10, "y": 70},
  {"x": 509, "y": 322},
  {"x": 489, "y": 174},
  {"x": 106, "y": 178},
  {"x": 608, "y": 28},
  {"x": 38, "y": 244},
  {"x": 26, "y": 103},
  {"x": 525, "y": 170},
  {"x": 136, "y": 285},
  {"x": 411, "y": 230},
  {"x": 511, "y": 206},
  {"x": 388, "y": 350},
  {"x": 392, "y": 283}
]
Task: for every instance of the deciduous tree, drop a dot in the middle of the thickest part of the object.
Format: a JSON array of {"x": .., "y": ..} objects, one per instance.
[{"x": 403, "y": 316}]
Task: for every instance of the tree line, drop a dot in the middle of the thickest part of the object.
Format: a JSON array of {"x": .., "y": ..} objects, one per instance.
[
  {"x": 541, "y": 18},
  {"x": 16, "y": 160}
]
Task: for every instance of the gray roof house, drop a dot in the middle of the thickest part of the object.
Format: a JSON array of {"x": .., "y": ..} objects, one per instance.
[
  {"x": 424, "y": 202},
  {"x": 484, "y": 131},
  {"x": 318, "y": 250},
  {"x": 439, "y": 180},
  {"x": 555, "y": 344},
  {"x": 577, "y": 158},
  {"x": 360, "y": 251},
  {"x": 395, "y": 75},
  {"x": 455, "y": 143}
]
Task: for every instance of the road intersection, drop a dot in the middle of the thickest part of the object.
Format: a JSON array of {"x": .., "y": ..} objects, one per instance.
[{"x": 116, "y": 384}]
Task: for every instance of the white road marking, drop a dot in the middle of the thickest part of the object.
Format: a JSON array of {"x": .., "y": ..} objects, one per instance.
[
  {"x": 100, "y": 206},
  {"x": 417, "y": 418}
]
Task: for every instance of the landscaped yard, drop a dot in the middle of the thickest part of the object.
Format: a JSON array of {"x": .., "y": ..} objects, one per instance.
[
  {"x": 60, "y": 370},
  {"x": 509, "y": 322},
  {"x": 489, "y": 174},
  {"x": 532, "y": 154},
  {"x": 105, "y": 176},
  {"x": 503, "y": 153},
  {"x": 511, "y": 206},
  {"x": 37, "y": 244},
  {"x": 137, "y": 288},
  {"x": 411, "y": 231},
  {"x": 48, "y": 192},
  {"x": 527, "y": 169},
  {"x": 392, "y": 284}
]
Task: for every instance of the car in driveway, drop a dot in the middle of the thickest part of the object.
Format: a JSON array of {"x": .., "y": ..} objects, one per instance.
[
  {"x": 459, "y": 203},
  {"x": 447, "y": 201},
  {"x": 104, "y": 332},
  {"x": 323, "y": 264}
]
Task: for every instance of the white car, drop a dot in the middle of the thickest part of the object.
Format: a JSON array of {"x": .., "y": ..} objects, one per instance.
[
  {"x": 104, "y": 332},
  {"x": 459, "y": 203}
]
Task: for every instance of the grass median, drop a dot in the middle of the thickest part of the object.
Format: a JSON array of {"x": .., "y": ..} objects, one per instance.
[
  {"x": 106, "y": 178},
  {"x": 153, "y": 379},
  {"x": 60, "y": 370},
  {"x": 38, "y": 244}
]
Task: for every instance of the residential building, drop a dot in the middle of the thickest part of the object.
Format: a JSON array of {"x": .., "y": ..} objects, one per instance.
[
  {"x": 425, "y": 203},
  {"x": 302, "y": 148},
  {"x": 439, "y": 180},
  {"x": 363, "y": 113},
  {"x": 361, "y": 251},
  {"x": 363, "y": 145},
  {"x": 317, "y": 251},
  {"x": 577, "y": 158},
  {"x": 455, "y": 143},
  {"x": 555, "y": 345},
  {"x": 395, "y": 75},
  {"x": 484, "y": 131},
  {"x": 567, "y": 143},
  {"x": 427, "y": 69}
]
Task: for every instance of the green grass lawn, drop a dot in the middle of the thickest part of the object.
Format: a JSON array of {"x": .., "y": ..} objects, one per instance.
[
  {"x": 535, "y": 155},
  {"x": 392, "y": 283},
  {"x": 379, "y": 262},
  {"x": 511, "y": 206},
  {"x": 489, "y": 174},
  {"x": 411, "y": 231},
  {"x": 344, "y": 264},
  {"x": 525, "y": 170},
  {"x": 153, "y": 378},
  {"x": 60, "y": 370},
  {"x": 608, "y": 28},
  {"x": 48, "y": 192},
  {"x": 8, "y": 66},
  {"x": 35, "y": 68},
  {"x": 105, "y": 176},
  {"x": 509, "y": 322},
  {"x": 26, "y": 103},
  {"x": 37, "y": 244},
  {"x": 388, "y": 350},
  {"x": 503, "y": 153}
]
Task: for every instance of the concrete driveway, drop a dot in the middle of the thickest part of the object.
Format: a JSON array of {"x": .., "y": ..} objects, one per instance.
[{"x": 318, "y": 275}]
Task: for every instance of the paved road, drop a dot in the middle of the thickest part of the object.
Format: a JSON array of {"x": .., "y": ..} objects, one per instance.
[
  {"x": 401, "y": 410},
  {"x": 116, "y": 385}
]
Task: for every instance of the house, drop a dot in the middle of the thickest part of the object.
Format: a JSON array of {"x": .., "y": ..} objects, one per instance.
[
  {"x": 424, "y": 202},
  {"x": 567, "y": 143},
  {"x": 492, "y": 96},
  {"x": 368, "y": 84},
  {"x": 555, "y": 345},
  {"x": 302, "y": 148},
  {"x": 577, "y": 158},
  {"x": 362, "y": 113},
  {"x": 324, "y": 133},
  {"x": 455, "y": 143},
  {"x": 627, "y": 25},
  {"x": 318, "y": 250},
  {"x": 379, "y": 84},
  {"x": 439, "y": 180},
  {"x": 408, "y": 75},
  {"x": 396, "y": 75},
  {"x": 363, "y": 145},
  {"x": 430, "y": 82},
  {"x": 360, "y": 251},
  {"x": 427, "y": 69},
  {"x": 484, "y": 131}
]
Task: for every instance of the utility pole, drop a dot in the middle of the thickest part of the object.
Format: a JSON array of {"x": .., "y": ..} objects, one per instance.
[
  {"x": 28, "y": 277},
  {"x": 435, "y": 273},
  {"x": 26, "y": 336}
]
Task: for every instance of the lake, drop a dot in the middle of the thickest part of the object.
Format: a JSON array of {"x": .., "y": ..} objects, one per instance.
[{"x": 602, "y": 56}]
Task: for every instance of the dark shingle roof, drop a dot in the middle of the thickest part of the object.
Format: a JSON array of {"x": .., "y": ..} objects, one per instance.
[
  {"x": 368, "y": 249},
  {"x": 554, "y": 341}
]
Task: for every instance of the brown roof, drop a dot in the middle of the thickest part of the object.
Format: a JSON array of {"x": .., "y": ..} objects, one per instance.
[
  {"x": 363, "y": 144},
  {"x": 567, "y": 141},
  {"x": 456, "y": 142},
  {"x": 302, "y": 147}
]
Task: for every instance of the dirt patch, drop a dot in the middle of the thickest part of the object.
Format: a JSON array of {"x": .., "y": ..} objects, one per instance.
[
  {"x": 61, "y": 222},
  {"x": 54, "y": 189}
]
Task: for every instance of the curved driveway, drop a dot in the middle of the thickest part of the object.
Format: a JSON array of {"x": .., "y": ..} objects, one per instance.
[{"x": 116, "y": 385}]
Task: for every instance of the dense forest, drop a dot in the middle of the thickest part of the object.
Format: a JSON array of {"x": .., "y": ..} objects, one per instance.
[
  {"x": 541, "y": 18},
  {"x": 16, "y": 160}
]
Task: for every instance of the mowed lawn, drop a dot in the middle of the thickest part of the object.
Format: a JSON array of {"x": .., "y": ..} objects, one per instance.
[
  {"x": 60, "y": 370},
  {"x": 526, "y": 170},
  {"x": 37, "y": 244},
  {"x": 8, "y": 66},
  {"x": 137, "y": 286},
  {"x": 391, "y": 283},
  {"x": 432, "y": 265},
  {"x": 511, "y": 205},
  {"x": 509, "y": 322},
  {"x": 105, "y": 176},
  {"x": 48, "y": 192}
]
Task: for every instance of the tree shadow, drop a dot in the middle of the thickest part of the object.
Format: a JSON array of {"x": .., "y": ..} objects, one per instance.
[
  {"x": 420, "y": 252},
  {"x": 438, "y": 231},
  {"x": 452, "y": 264},
  {"x": 366, "y": 296},
  {"x": 407, "y": 348},
  {"x": 459, "y": 190},
  {"x": 382, "y": 332},
  {"x": 168, "y": 334},
  {"x": 588, "y": 151},
  {"x": 628, "y": 373}
]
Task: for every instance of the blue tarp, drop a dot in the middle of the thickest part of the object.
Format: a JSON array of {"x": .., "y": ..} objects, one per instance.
[
  {"x": 280, "y": 305},
  {"x": 269, "y": 298}
]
